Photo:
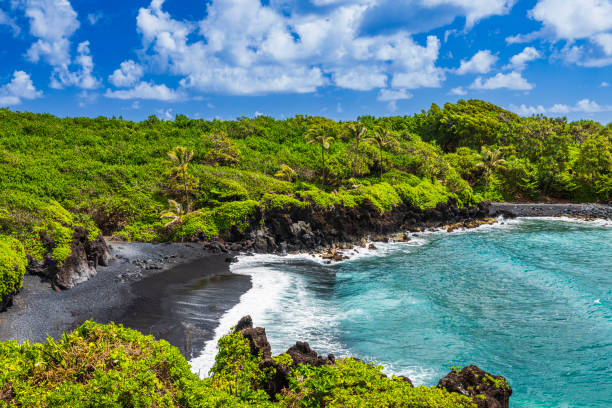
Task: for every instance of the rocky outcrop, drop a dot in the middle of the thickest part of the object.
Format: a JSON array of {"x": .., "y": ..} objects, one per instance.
[
  {"x": 588, "y": 210},
  {"x": 79, "y": 266},
  {"x": 299, "y": 229},
  {"x": 486, "y": 390},
  {"x": 300, "y": 353}
]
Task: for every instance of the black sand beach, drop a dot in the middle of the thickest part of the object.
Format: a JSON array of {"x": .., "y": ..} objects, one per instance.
[{"x": 176, "y": 292}]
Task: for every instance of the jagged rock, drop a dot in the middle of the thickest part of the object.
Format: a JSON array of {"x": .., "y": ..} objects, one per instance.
[
  {"x": 245, "y": 323},
  {"x": 79, "y": 266},
  {"x": 256, "y": 337},
  {"x": 301, "y": 353},
  {"x": 83, "y": 260},
  {"x": 471, "y": 381}
]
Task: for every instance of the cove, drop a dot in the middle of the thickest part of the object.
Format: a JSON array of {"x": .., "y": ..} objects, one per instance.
[{"x": 530, "y": 300}]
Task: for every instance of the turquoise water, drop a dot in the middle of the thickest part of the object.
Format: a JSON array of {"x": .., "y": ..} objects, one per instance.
[{"x": 531, "y": 301}]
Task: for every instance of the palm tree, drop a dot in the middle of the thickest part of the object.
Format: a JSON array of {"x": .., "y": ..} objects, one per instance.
[
  {"x": 181, "y": 156},
  {"x": 356, "y": 132},
  {"x": 319, "y": 134},
  {"x": 491, "y": 160},
  {"x": 285, "y": 173},
  {"x": 382, "y": 139},
  {"x": 174, "y": 214}
]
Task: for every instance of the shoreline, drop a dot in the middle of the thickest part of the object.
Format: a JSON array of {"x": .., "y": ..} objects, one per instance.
[
  {"x": 145, "y": 287},
  {"x": 149, "y": 287}
]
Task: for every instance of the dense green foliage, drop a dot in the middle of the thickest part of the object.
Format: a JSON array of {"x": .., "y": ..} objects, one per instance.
[
  {"x": 110, "y": 366},
  {"x": 119, "y": 175},
  {"x": 12, "y": 265}
]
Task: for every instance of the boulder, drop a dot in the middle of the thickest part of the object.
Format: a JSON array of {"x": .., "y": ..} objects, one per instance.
[{"x": 486, "y": 390}]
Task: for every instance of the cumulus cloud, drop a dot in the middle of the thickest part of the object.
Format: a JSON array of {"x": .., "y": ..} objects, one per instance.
[
  {"x": 512, "y": 80},
  {"x": 128, "y": 74},
  {"x": 53, "y": 22},
  {"x": 245, "y": 47},
  {"x": 588, "y": 21},
  {"x": 520, "y": 60},
  {"x": 571, "y": 19},
  {"x": 21, "y": 87},
  {"x": 146, "y": 90},
  {"x": 480, "y": 63},
  {"x": 582, "y": 106},
  {"x": 82, "y": 77}
]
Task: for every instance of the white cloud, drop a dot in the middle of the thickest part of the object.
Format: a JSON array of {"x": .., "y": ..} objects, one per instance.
[
  {"x": 458, "y": 91},
  {"x": 519, "y": 61},
  {"x": 525, "y": 110},
  {"x": 480, "y": 63},
  {"x": 166, "y": 113},
  {"x": 604, "y": 84},
  {"x": 386, "y": 95},
  {"x": 392, "y": 96},
  {"x": 572, "y": 19},
  {"x": 21, "y": 87},
  {"x": 146, "y": 90},
  {"x": 512, "y": 80},
  {"x": 53, "y": 22},
  {"x": 244, "y": 47},
  {"x": 605, "y": 42},
  {"x": 93, "y": 18},
  {"x": 582, "y": 106},
  {"x": 83, "y": 77},
  {"x": 476, "y": 10},
  {"x": 8, "y": 21},
  {"x": 128, "y": 74},
  {"x": 589, "y": 21}
]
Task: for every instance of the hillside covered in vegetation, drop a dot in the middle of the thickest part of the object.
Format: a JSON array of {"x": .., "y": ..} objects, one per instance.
[{"x": 193, "y": 179}]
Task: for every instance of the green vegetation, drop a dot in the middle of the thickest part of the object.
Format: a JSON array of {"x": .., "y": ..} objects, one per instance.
[
  {"x": 110, "y": 366},
  {"x": 115, "y": 175}
]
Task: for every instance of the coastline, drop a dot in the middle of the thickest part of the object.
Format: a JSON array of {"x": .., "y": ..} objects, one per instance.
[
  {"x": 145, "y": 287},
  {"x": 151, "y": 287}
]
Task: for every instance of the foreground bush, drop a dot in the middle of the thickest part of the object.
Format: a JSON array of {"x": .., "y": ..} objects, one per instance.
[{"x": 110, "y": 366}]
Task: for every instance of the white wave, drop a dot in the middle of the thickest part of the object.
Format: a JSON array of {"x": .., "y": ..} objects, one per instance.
[
  {"x": 280, "y": 302},
  {"x": 267, "y": 286}
]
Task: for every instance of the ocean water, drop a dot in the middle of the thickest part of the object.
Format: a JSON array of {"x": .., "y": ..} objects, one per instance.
[{"x": 529, "y": 299}]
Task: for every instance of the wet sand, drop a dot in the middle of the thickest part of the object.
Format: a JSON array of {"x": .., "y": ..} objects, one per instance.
[{"x": 177, "y": 292}]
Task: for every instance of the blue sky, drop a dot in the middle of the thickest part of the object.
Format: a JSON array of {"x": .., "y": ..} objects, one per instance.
[{"x": 334, "y": 58}]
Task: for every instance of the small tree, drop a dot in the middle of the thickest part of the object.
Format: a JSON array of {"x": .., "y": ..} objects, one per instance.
[
  {"x": 181, "y": 157},
  {"x": 382, "y": 139},
  {"x": 491, "y": 161},
  {"x": 356, "y": 132},
  {"x": 320, "y": 134},
  {"x": 221, "y": 149},
  {"x": 285, "y": 173},
  {"x": 175, "y": 215}
]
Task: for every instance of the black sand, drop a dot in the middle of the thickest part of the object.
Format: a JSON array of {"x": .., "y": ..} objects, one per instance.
[{"x": 177, "y": 292}]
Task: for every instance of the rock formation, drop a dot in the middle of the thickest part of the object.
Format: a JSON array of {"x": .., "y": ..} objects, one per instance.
[
  {"x": 79, "y": 266},
  {"x": 475, "y": 383}
]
